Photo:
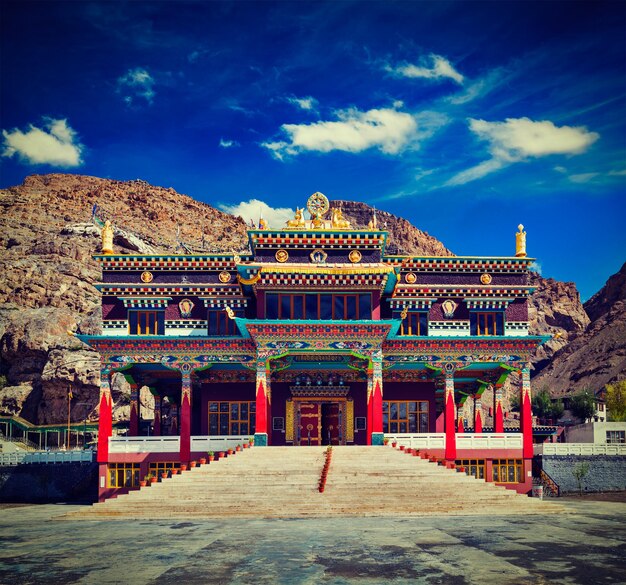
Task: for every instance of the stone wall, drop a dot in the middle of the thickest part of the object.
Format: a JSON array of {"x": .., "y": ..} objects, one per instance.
[
  {"x": 39, "y": 483},
  {"x": 606, "y": 472}
]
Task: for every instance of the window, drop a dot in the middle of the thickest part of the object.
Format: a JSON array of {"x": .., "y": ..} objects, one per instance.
[
  {"x": 488, "y": 323},
  {"x": 146, "y": 322},
  {"x": 507, "y": 470},
  {"x": 220, "y": 324},
  {"x": 341, "y": 307},
  {"x": 232, "y": 418},
  {"x": 360, "y": 423},
  {"x": 405, "y": 416},
  {"x": 416, "y": 323},
  {"x": 123, "y": 475},
  {"x": 159, "y": 467},
  {"x": 473, "y": 467},
  {"x": 615, "y": 437}
]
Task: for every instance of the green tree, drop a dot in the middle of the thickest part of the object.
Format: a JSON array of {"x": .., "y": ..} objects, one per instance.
[
  {"x": 542, "y": 404},
  {"x": 557, "y": 409},
  {"x": 580, "y": 472},
  {"x": 616, "y": 401},
  {"x": 583, "y": 405}
]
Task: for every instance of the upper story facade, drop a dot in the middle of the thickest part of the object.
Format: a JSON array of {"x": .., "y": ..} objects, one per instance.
[{"x": 315, "y": 270}]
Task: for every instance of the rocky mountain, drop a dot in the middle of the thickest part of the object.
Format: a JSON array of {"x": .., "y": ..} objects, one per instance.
[
  {"x": 47, "y": 237},
  {"x": 404, "y": 237},
  {"x": 597, "y": 355}
]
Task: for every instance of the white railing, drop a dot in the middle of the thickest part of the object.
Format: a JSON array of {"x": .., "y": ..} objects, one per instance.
[
  {"x": 581, "y": 449},
  {"x": 489, "y": 441},
  {"x": 419, "y": 440},
  {"x": 468, "y": 441},
  {"x": 47, "y": 457},
  {"x": 199, "y": 444},
  {"x": 217, "y": 443},
  {"x": 144, "y": 444}
]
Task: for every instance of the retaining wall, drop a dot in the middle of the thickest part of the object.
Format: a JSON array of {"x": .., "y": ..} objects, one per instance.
[
  {"x": 606, "y": 472},
  {"x": 39, "y": 483}
]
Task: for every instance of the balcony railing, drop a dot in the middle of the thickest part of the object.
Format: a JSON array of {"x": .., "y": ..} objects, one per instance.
[
  {"x": 468, "y": 441},
  {"x": 199, "y": 444},
  {"x": 579, "y": 449}
]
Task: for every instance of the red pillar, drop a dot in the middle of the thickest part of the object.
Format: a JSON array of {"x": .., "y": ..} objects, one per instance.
[
  {"x": 498, "y": 412},
  {"x": 375, "y": 401},
  {"x": 185, "y": 418},
  {"x": 526, "y": 412},
  {"x": 260, "y": 432},
  {"x": 449, "y": 415},
  {"x": 478, "y": 414},
  {"x": 156, "y": 431},
  {"x": 133, "y": 427},
  {"x": 376, "y": 305},
  {"x": 105, "y": 420}
]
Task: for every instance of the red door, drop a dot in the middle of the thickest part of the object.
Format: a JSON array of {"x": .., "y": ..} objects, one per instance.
[
  {"x": 330, "y": 423},
  {"x": 310, "y": 423}
]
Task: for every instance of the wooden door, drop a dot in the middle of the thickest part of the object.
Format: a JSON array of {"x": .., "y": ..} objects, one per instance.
[
  {"x": 331, "y": 424},
  {"x": 310, "y": 423}
]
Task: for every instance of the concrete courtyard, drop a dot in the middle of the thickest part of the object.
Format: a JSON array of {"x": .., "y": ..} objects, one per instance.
[{"x": 586, "y": 545}]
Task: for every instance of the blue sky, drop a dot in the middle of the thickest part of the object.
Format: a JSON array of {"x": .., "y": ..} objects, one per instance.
[{"x": 467, "y": 118}]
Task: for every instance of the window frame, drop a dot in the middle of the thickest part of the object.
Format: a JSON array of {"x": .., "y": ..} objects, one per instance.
[
  {"x": 226, "y": 413},
  {"x": 388, "y": 421},
  {"x": 319, "y": 310},
  {"x": 473, "y": 467},
  {"x": 117, "y": 471},
  {"x": 135, "y": 325},
  {"x": 509, "y": 466}
]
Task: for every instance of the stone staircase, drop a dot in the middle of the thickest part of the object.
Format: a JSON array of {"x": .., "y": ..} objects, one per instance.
[{"x": 282, "y": 482}]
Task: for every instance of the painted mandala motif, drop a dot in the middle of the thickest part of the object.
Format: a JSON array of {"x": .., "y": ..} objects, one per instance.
[
  {"x": 354, "y": 256},
  {"x": 146, "y": 276},
  {"x": 225, "y": 276},
  {"x": 410, "y": 278},
  {"x": 281, "y": 256},
  {"x": 485, "y": 278}
]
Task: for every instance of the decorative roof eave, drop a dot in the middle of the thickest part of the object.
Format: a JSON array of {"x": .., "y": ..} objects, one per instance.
[
  {"x": 145, "y": 302},
  {"x": 146, "y": 347},
  {"x": 123, "y": 262},
  {"x": 499, "y": 349},
  {"x": 174, "y": 289},
  {"x": 298, "y": 238},
  {"x": 459, "y": 290},
  {"x": 314, "y": 335},
  {"x": 465, "y": 263}
]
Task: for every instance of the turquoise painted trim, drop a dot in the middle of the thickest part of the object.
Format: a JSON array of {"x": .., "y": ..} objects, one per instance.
[
  {"x": 260, "y": 439},
  {"x": 400, "y": 257}
]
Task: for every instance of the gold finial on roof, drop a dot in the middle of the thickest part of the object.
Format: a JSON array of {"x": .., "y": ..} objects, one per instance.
[
  {"x": 520, "y": 242},
  {"x": 107, "y": 238},
  {"x": 317, "y": 205},
  {"x": 298, "y": 220},
  {"x": 338, "y": 221}
]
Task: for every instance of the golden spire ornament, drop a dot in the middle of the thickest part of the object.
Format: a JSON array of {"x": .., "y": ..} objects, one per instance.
[{"x": 520, "y": 242}]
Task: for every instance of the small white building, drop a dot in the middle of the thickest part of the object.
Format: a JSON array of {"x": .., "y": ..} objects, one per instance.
[{"x": 598, "y": 433}]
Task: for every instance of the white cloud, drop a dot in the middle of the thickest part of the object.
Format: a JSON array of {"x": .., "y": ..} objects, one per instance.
[
  {"x": 306, "y": 103},
  {"x": 440, "y": 68},
  {"x": 620, "y": 173},
  {"x": 536, "y": 267},
  {"x": 583, "y": 177},
  {"x": 386, "y": 129},
  {"x": 55, "y": 144},
  {"x": 254, "y": 209},
  {"x": 228, "y": 143},
  {"x": 518, "y": 139},
  {"x": 136, "y": 83}
]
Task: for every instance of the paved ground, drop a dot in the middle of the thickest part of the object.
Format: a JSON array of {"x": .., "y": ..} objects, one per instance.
[{"x": 585, "y": 545}]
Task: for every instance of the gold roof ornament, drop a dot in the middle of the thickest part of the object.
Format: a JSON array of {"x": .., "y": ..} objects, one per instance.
[
  {"x": 297, "y": 221},
  {"x": 317, "y": 205},
  {"x": 338, "y": 221},
  {"x": 107, "y": 238},
  {"x": 520, "y": 242},
  {"x": 373, "y": 223}
]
